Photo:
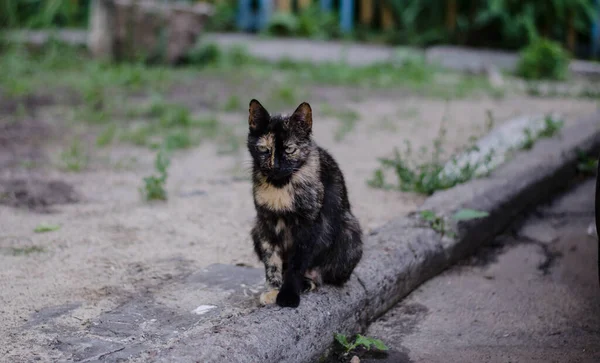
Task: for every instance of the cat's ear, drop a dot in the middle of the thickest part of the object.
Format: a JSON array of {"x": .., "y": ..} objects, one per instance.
[
  {"x": 258, "y": 116},
  {"x": 303, "y": 116}
]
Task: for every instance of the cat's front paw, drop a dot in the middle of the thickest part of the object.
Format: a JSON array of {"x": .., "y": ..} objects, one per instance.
[
  {"x": 268, "y": 298},
  {"x": 288, "y": 298}
]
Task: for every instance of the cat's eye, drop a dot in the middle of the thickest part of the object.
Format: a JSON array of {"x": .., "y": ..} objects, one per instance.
[
  {"x": 290, "y": 150},
  {"x": 262, "y": 149}
]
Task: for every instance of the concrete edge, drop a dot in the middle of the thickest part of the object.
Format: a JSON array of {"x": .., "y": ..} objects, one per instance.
[{"x": 398, "y": 257}]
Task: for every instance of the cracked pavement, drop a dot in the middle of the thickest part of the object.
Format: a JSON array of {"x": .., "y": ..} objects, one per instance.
[{"x": 531, "y": 296}]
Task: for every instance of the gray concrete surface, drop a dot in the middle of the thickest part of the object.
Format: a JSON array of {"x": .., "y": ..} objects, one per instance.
[
  {"x": 398, "y": 258},
  {"x": 531, "y": 296}
]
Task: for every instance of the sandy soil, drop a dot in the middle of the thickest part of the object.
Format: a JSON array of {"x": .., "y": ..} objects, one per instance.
[{"x": 112, "y": 243}]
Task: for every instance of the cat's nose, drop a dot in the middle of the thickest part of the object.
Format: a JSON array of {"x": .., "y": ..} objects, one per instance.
[{"x": 275, "y": 164}]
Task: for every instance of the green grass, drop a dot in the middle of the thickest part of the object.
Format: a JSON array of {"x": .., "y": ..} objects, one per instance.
[
  {"x": 347, "y": 119},
  {"x": 359, "y": 340},
  {"x": 154, "y": 185},
  {"x": 45, "y": 227},
  {"x": 423, "y": 177},
  {"x": 586, "y": 164},
  {"x": 437, "y": 223},
  {"x": 24, "y": 251},
  {"x": 233, "y": 104},
  {"x": 550, "y": 129},
  {"x": 74, "y": 157},
  {"x": 107, "y": 135}
]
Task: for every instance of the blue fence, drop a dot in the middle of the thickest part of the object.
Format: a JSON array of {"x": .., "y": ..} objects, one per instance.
[{"x": 250, "y": 19}]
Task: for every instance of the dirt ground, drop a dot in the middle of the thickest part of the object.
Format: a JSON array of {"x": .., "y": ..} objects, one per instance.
[{"x": 112, "y": 243}]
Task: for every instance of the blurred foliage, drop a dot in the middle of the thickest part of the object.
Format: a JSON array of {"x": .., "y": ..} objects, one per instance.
[
  {"x": 223, "y": 18},
  {"x": 498, "y": 23},
  {"x": 311, "y": 22},
  {"x": 37, "y": 14},
  {"x": 543, "y": 59}
]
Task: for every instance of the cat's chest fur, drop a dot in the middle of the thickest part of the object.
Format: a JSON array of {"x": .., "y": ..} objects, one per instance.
[
  {"x": 304, "y": 193},
  {"x": 273, "y": 198}
]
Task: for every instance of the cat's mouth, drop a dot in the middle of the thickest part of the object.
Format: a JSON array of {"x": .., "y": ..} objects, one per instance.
[{"x": 278, "y": 177}]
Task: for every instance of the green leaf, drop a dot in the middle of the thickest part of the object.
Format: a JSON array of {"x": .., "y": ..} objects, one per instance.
[
  {"x": 41, "y": 228},
  {"x": 379, "y": 344},
  {"x": 341, "y": 338},
  {"x": 469, "y": 214},
  {"x": 428, "y": 215},
  {"x": 365, "y": 341}
]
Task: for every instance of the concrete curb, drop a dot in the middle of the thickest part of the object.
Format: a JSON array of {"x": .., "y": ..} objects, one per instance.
[{"x": 398, "y": 257}]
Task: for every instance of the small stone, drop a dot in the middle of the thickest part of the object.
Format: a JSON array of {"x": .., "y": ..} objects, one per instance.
[
  {"x": 355, "y": 359},
  {"x": 540, "y": 231}
]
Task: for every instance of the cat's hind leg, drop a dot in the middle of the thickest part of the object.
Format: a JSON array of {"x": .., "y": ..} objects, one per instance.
[
  {"x": 344, "y": 255},
  {"x": 312, "y": 280}
]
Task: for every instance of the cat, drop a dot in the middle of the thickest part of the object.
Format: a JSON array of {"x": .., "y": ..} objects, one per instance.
[{"x": 305, "y": 232}]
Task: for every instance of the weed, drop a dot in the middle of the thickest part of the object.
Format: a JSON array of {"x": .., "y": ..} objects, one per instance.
[
  {"x": 208, "y": 126},
  {"x": 284, "y": 95},
  {"x": 45, "y": 227},
  {"x": 359, "y": 341},
  {"x": 551, "y": 127},
  {"x": 233, "y": 103},
  {"x": 173, "y": 115},
  {"x": 28, "y": 164},
  {"x": 74, "y": 158},
  {"x": 347, "y": 121},
  {"x": 24, "y": 251},
  {"x": 426, "y": 177},
  {"x": 154, "y": 186},
  {"x": 529, "y": 139},
  {"x": 107, "y": 135},
  {"x": 543, "y": 59},
  {"x": 586, "y": 164},
  {"x": 138, "y": 135},
  {"x": 437, "y": 223},
  {"x": 178, "y": 139},
  {"x": 229, "y": 143}
]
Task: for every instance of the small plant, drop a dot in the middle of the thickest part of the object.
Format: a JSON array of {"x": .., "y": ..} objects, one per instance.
[
  {"x": 74, "y": 158},
  {"x": 586, "y": 164},
  {"x": 551, "y": 127},
  {"x": 223, "y": 18},
  {"x": 204, "y": 53},
  {"x": 529, "y": 140},
  {"x": 175, "y": 115},
  {"x": 107, "y": 135},
  {"x": 154, "y": 186},
  {"x": 283, "y": 24},
  {"x": 359, "y": 341},
  {"x": 178, "y": 139},
  {"x": 46, "y": 227},
  {"x": 437, "y": 223},
  {"x": 425, "y": 177},
  {"x": 24, "y": 251},
  {"x": 543, "y": 59},
  {"x": 347, "y": 121},
  {"x": 233, "y": 103}
]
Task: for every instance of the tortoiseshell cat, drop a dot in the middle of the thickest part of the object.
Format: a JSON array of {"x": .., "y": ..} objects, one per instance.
[{"x": 305, "y": 232}]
